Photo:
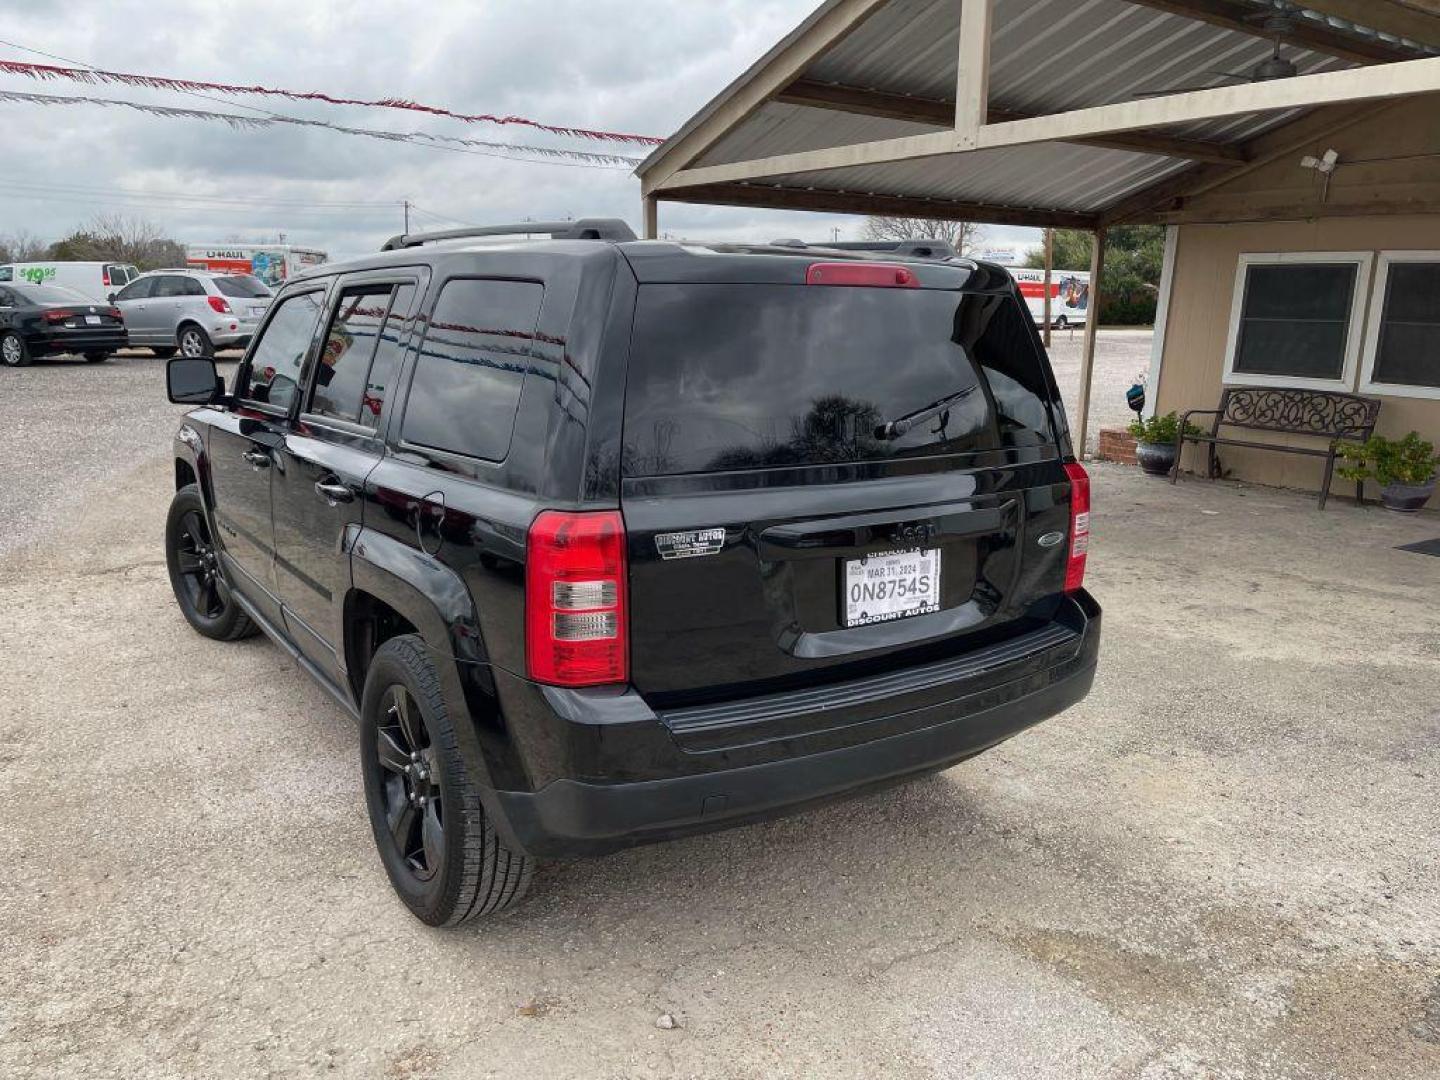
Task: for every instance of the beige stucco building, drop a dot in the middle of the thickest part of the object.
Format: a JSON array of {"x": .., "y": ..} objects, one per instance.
[{"x": 1292, "y": 148}]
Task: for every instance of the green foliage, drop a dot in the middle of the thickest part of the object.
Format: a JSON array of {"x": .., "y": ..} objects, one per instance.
[
  {"x": 1160, "y": 429},
  {"x": 1131, "y": 279},
  {"x": 1410, "y": 460}
]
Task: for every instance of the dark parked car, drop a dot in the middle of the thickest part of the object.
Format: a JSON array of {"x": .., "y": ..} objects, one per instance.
[
  {"x": 607, "y": 541},
  {"x": 42, "y": 320}
]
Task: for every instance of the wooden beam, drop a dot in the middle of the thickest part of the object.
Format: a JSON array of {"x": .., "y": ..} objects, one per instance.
[
  {"x": 1049, "y": 266},
  {"x": 1380, "y": 82},
  {"x": 854, "y": 202},
  {"x": 1418, "y": 20},
  {"x": 652, "y": 216},
  {"x": 1232, "y": 14},
  {"x": 1280, "y": 210},
  {"x": 826, "y": 27},
  {"x": 1087, "y": 353},
  {"x": 972, "y": 72},
  {"x": 1262, "y": 150},
  {"x": 907, "y": 148},
  {"x": 938, "y": 113}
]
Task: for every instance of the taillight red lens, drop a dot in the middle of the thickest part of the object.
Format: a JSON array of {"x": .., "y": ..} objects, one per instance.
[
  {"x": 576, "y": 625},
  {"x": 219, "y": 304},
  {"x": 1079, "y": 525},
  {"x": 875, "y": 275},
  {"x": 59, "y": 314}
]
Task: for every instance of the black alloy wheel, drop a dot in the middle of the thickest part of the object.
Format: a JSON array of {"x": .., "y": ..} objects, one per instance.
[
  {"x": 410, "y": 790},
  {"x": 195, "y": 572}
]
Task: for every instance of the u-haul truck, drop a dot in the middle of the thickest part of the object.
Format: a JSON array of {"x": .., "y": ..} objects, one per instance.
[
  {"x": 1069, "y": 295},
  {"x": 274, "y": 264}
]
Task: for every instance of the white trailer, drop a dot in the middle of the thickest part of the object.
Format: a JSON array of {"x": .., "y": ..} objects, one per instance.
[{"x": 1069, "y": 295}]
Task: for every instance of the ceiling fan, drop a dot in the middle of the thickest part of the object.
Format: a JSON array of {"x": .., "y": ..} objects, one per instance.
[{"x": 1278, "y": 23}]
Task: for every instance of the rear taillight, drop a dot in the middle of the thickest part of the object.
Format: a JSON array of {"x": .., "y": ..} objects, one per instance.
[
  {"x": 105, "y": 277},
  {"x": 114, "y": 313},
  {"x": 1079, "y": 525},
  {"x": 875, "y": 275},
  {"x": 59, "y": 315},
  {"x": 576, "y": 627},
  {"x": 219, "y": 304}
]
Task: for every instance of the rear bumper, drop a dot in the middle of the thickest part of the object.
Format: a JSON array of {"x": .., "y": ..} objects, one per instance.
[
  {"x": 78, "y": 341},
  {"x": 575, "y": 817}
]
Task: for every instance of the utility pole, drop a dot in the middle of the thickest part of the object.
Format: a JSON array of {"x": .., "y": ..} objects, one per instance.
[
  {"x": 407, "y": 216},
  {"x": 1049, "y": 262}
]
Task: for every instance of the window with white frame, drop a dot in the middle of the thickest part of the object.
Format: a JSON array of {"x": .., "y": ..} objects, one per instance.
[
  {"x": 1296, "y": 318},
  {"x": 1402, "y": 344}
]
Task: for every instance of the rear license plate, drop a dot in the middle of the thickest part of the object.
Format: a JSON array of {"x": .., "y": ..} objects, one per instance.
[
  {"x": 257, "y": 311},
  {"x": 893, "y": 585},
  {"x": 92, "y": 320}
]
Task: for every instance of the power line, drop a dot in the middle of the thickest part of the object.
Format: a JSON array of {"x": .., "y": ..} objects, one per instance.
[{"x": 187, "y": 196}]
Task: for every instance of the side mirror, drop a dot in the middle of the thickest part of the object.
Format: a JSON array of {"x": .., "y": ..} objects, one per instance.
[
  {"x": 112, "y": 296},
  {"x": 192, "y": 380}
]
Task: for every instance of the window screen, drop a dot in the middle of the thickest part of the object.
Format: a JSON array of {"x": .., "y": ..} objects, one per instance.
[
  {"x": 1295, "y": 320},
  {"x": 388, "y": 351},
  {"x": 1408, "y": 352},
  {"x": 471, "y": 367},
  {"x": 279, "y": 355},
  {"x": 349, "y": 345},
  {"x": 726, "y": 377}
]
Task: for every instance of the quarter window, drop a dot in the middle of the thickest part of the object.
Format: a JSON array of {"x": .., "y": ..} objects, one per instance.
[
  {"x": 1403, "y": 350},
  {"x": 388, "y": 351},
  {"x": 1296, "y": 319},
  {"x": 279, "y": 356},
  {"x": 468, "y": 377}
]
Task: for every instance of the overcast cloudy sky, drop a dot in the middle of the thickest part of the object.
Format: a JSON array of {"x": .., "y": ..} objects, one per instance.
[{"x": 621, "y": 65}]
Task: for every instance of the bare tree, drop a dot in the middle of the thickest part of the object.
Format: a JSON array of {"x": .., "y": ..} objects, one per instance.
[
  {"x": 122, "y": 239},
  {"x": 21, "y": 246},
  {"x": 961, "y": 235}
]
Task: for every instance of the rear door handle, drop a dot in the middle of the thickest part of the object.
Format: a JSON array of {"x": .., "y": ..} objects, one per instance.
[
  {"x": 257, "y": 458},
  {"x": 334, "y": 493}
]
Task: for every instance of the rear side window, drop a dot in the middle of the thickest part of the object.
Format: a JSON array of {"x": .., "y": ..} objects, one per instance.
[
  {"x": 749, "y": 376},
  {"x": 471, "y": 367},
  {"x": 387, "y": 356}
]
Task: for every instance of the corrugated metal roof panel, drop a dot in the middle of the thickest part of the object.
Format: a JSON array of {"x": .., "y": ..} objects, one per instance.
[{"x": 1046, "y": 56}]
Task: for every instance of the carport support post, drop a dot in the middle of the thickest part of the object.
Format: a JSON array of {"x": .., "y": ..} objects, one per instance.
[
  {"x": 652, "y": 217},
  {"x": 1092, "y": 321},
  {"x": 1049, "y": 264}
]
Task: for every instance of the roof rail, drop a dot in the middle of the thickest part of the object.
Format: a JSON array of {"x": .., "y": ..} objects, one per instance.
[{"x": 584, "y": 229}]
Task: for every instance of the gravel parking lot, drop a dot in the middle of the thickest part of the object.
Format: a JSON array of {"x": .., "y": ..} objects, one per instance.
[{"x": 1221, "y": 864}]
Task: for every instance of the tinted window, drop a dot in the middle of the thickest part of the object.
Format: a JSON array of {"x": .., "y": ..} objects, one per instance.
[
  {"x": 170, "y": 285},
  {"x": 136, "y": 290},
  {"x": 1408, "y": 352},
  {"x": 7, "y": 273},
  {"x": 7, "y": 298},
  {"x": 471, "y": 366},
  {"x": 1295, "y": 320},
  {"x": 279, "y": 355},
  {"x": 242, "y": 286},
  {"x": 745, "y": 376},
  {"x": 387, "y": 356},
  {"x": 51, "y": 294},
  {"x": 118, "y": 274},
  {"x": 345, "y": 357}
]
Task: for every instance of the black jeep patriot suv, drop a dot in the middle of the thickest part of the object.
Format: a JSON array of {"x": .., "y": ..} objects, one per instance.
[{"x": 607, "y": 541}]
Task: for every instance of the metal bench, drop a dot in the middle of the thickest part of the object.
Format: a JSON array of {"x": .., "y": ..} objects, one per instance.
[{"x": 1323, "y": 414}]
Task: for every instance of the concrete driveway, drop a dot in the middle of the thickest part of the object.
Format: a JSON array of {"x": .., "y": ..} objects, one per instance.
[{"x": 1222, "y": 864}]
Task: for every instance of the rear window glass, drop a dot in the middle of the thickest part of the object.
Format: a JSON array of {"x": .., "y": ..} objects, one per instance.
[
  {"x": 468, "y": 377},
  {"x": 241, "y": 286},
  {"x": 51, "y": 294},
  {"x": 750, "y": 376}
]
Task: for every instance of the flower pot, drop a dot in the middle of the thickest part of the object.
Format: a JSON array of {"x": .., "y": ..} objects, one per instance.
[
  {"x": 1406, "y": 498},
  {"x": 1157, "y": 459}
]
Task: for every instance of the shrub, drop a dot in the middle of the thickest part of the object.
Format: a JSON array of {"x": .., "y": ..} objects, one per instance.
[
  {"x": 1410, "y": 460},
  {"x": 1160, "y": 429}
]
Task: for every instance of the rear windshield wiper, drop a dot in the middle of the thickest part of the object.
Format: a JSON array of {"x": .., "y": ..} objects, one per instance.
[{"x": 893, "y": 429}]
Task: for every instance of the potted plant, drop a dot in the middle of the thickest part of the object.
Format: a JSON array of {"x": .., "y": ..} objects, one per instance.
[
  {"x": 1155, "y": 442},
  {"x": 1404, "y": 469}
]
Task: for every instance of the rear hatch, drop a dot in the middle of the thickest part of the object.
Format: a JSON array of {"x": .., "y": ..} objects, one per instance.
[
  {"x": 247, "y": 295},
  {"x": 823, "y": 481}
]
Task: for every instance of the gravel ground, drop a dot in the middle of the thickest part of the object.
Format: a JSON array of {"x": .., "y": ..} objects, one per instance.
[
  {"x": 1120, "y": 355},
  {"x": 1221, "y": 864}
]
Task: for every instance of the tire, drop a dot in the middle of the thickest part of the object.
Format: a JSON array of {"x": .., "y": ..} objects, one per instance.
[
  {"x": 13, "y": 350},
  {"x": 200, "y": 590},
  {"x": 96, "y": 357},
  {"x": 453, "y": 867},
  {"x": 164, "y": 352},
  {"x": 193, "y": 341}
]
